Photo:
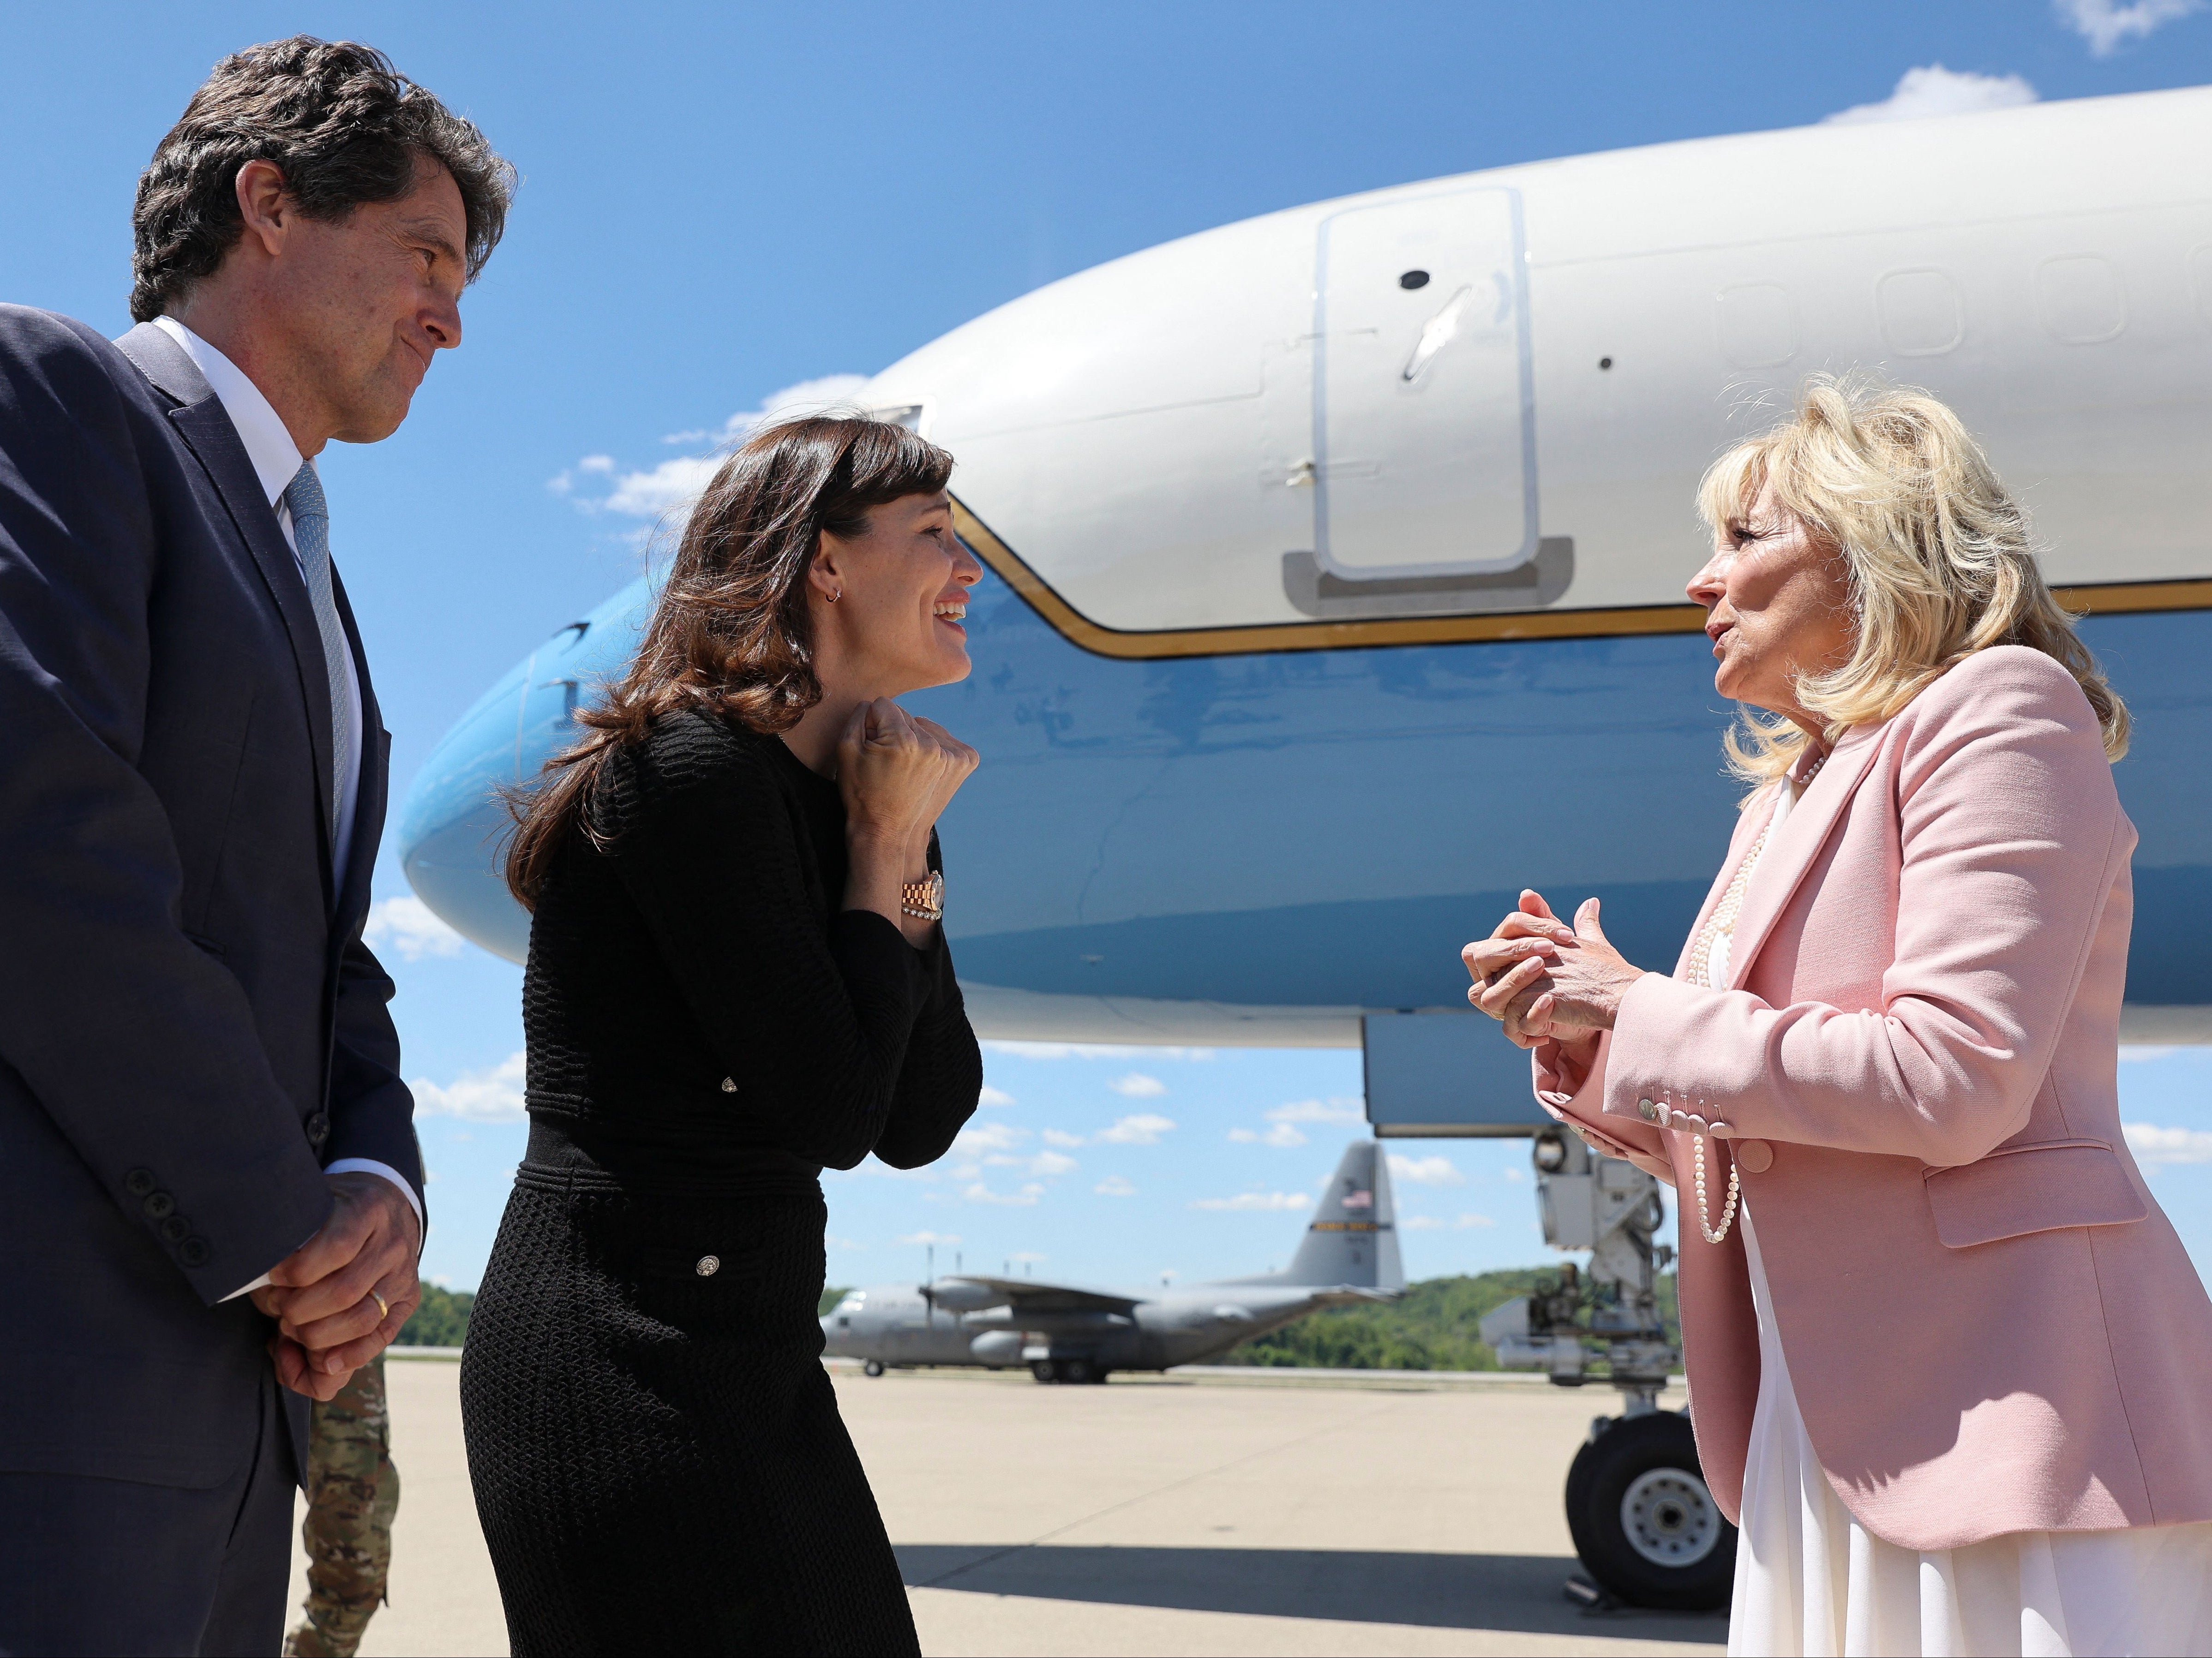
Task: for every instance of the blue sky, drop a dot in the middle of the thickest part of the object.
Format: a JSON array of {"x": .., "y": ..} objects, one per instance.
[{"x": 722, "y": 202}]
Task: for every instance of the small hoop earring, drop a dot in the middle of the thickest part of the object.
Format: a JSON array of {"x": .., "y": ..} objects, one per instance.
[{"x": 839, "y": 594}]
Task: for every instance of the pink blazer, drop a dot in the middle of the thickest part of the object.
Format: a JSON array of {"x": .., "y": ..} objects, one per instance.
[{"x": 1991, "y": 1325}]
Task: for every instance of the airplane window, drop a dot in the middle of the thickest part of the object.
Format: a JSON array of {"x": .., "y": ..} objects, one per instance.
[
  {"x": 2082, "y": 299},
  {"x": 1414, "y": 279},
  {"x": 1923, "y": 314},
  {"x": 1758, "y": 324}
]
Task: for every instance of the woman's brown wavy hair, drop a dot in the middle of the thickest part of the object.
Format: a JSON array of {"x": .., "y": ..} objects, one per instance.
[{"x": 730, "y": 633}]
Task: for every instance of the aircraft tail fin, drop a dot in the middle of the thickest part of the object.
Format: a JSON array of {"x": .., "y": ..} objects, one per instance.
[{"x": 1353, "y": 1238}]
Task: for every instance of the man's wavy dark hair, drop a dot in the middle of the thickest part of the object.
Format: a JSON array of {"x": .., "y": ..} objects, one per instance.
[{"x": 341, "y": 124}]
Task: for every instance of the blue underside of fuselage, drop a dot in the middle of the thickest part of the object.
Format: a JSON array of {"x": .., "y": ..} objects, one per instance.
[{"x": 1326, "y": 828}]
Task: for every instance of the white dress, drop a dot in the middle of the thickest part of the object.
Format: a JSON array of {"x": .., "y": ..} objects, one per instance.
[{"x": 1810, "y": 1580}]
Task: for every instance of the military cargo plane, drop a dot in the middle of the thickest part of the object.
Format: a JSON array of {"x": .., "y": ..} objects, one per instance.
[{"x": 1065, "y": 1334}]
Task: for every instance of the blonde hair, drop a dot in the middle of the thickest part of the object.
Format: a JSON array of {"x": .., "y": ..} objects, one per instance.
[{"x": 1939, "y": 558}]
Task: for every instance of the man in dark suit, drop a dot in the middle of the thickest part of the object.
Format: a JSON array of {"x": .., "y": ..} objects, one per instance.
[{"x": 210, "y": 1192}]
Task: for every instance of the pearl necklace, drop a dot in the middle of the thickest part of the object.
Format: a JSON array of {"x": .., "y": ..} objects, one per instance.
[{"x": 1723, "y": 920}]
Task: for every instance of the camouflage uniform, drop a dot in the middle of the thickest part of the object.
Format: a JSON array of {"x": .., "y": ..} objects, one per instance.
[{"x": 353, "y": 1491}]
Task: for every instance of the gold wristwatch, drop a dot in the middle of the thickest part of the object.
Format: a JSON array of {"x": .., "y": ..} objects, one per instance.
[{"x": 924, "y": 900}]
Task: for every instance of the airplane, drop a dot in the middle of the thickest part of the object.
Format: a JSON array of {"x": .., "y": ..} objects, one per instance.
[
  {"x": 1334, "y": 562},
  {"x": 1063, "y": 1332}
]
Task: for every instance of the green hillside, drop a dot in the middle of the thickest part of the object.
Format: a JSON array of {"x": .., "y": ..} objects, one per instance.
[{"x": 1430, "y": 1327}]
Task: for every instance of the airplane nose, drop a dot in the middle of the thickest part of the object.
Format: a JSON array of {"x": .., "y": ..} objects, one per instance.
[{"x": 452, "y": 824}]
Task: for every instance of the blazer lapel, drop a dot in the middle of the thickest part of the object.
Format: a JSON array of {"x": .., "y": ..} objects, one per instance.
[
  {"x": 1748, "y": 823},
  {"x": 207, "y": 430},
  {"x": 1783, "y": 865}
]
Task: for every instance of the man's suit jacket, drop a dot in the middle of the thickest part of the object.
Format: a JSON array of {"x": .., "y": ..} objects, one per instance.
[
  {"x": 190, "y": 1027},
  {"x": 1990, "y": 1325}
]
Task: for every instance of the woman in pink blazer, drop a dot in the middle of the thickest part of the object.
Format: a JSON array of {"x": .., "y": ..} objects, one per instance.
[{"x": 1951, "y": 1367}]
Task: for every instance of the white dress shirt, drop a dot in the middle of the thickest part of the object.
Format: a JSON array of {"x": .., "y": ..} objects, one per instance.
[{"x": 275, "y": 460}]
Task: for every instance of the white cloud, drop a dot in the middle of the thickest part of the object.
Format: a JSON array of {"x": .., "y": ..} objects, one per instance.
[
  {"x": 1337, "y": 1109},
  {"x": 1044, "y": 1164},
  {"x": 2155, "y": 1147},
  {"x": 1934, "y": 90},
  {"x": 979, "y": 1192},
  {"x": 1061, "y": 1138},
  {"x": 1474, "y": 1220},
  {"x": 1257, "y": 1200},
  {"x": 2142, "y": 1052},
  {"x": 1097, "y": 1051},
  {"x": 1143, "y": 1129},
  {"x": 836, "y": 1243},
  {"x": 830, "y": 393},
  {"x": 411, "y": 927},
  {"x": 1281, "y": 1134},
  {"x": 1431, "y": 1223},
  {"x": 2107, "y": 24},
  {"x": 491, "y": 1094},
  {"x": 930, "y": 1237},
  {"x": 990, "y": 1096},
  {"x": 674, "y": 484},
  {"x": 1115, "y": 1187},
  {"x": 677, "y": 482},
  {"x": 989, "y": 1136},
  {"x": 1419, "y": 1223},
  {"x": 1425, "y": 1171},
  {"x": 1514, "y": 1177},
  {"x": 1138, "y": 1086}
]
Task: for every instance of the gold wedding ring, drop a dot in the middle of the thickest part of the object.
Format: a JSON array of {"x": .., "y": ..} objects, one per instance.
[{"x": 382, "y": 1306}]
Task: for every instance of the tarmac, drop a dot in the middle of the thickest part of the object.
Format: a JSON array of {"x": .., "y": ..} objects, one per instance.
[{"x": 1269, "y": 1512}]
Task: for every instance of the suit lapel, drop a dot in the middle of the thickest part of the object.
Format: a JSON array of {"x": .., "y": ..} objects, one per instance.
[
  {"x": 1783, "y": 865},
  {"x": 368, "y": 793},
  {"x": 207, "y": 430}
]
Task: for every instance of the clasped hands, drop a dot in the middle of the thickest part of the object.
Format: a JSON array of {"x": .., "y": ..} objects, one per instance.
[
  {"x": 324, "y": 1296},
  {"x": 1549, "y": 983}
]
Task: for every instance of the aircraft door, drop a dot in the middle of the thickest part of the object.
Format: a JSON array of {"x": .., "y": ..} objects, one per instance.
[{"x": 1423, "y": 393}]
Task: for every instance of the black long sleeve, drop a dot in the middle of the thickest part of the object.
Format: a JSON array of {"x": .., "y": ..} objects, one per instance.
[{"x": 695, "y": 989}]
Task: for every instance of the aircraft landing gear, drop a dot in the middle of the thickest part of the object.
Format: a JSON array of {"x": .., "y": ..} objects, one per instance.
[
  {"x": 873, "y": 1367},
  {"x": 1076, "y": 1370},
  {"x": 1647, "y": 1529}
]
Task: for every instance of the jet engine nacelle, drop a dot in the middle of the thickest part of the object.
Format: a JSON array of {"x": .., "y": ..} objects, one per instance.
[{"x": 999, "y": 1347}]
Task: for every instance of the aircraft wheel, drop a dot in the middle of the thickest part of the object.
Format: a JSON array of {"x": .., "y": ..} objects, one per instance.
[
  {"x": 1044, "y": 1370},
  {"x": 1076, "y": 1370},
  {"x": 873, "y": 1367},
  {"x": 1647, "y": 1528}
]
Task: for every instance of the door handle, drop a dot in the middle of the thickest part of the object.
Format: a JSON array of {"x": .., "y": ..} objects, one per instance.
[{"x": 1437, "y": 333}]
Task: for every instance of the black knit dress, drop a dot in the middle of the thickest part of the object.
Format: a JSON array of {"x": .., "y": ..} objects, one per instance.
[{"x": 657, "y": 1453}]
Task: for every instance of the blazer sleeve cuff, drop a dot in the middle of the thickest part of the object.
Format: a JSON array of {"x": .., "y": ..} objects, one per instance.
[
  {"x": 1639, "y": 1084},
  {"x": 1582, "y": 1109}
]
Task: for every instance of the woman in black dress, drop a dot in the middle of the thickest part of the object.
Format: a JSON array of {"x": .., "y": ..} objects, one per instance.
[{"x": 736, "y": 978}]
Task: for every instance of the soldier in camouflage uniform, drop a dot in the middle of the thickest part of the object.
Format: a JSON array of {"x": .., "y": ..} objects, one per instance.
[{"x": 353, "y": 1491}]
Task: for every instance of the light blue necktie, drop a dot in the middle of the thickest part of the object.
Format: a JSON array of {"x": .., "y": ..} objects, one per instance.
[{"x": 310, "y": 529}]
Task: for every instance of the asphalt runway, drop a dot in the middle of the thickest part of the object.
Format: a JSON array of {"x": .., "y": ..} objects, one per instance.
[{"x": 1154, "y": 1515}]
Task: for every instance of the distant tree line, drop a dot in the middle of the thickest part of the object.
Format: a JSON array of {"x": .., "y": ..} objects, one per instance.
[
  {"x": 1432, "y": 1327},
  {"x": 442, "y": 1319}
]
